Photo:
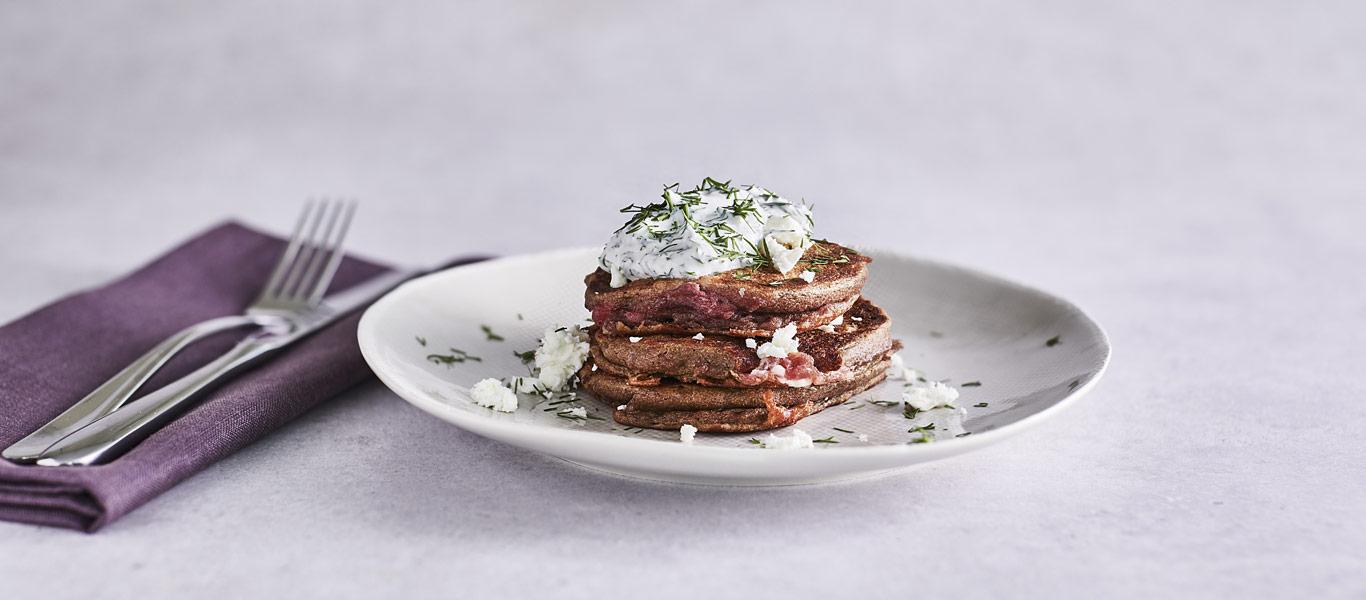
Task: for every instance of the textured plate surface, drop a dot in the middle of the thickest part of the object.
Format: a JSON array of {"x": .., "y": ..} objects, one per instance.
[{"x": 1029, "y": 354}]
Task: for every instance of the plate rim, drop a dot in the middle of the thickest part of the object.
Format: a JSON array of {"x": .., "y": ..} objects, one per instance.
[{"x": 368, "y": 336}]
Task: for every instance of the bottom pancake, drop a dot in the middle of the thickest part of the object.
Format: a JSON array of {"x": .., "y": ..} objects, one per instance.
[{"x": 714, "y": 409}]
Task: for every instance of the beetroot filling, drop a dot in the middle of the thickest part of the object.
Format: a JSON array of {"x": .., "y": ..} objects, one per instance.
[
  {"x": 798, "y": 366},
  {"x": 687, "y": 303}
]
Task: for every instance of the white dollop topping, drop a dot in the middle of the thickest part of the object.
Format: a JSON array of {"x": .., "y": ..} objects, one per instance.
[
  {"x": 784, "y": 342},
  {"x": 798, "y": 440},
  {"x": 807, "y": 276},
  {"x": 618, "y": 278},
  {"x": 562, "y": 353},
  {"x": 699, "y": 337},
  {"x": 750, "y": 343},
  {"x": 712, "y": 228},
  {"x": 490, "y": 393},
  {"x": 928, "y": 395},
  {"x": 686, "y": 433}
]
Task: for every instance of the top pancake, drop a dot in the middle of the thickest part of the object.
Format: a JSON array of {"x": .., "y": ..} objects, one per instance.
[{"x": 751, "y": 301}]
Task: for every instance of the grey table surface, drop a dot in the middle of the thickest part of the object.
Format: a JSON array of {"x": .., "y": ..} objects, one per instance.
[{"x": 1194, "y": 174}]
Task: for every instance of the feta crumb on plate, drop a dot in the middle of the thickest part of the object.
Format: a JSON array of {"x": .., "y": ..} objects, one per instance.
[
  {"x": 490, "y": 393},
  {"x": 862, "y": 437},
  {"x": 577, "y": 412},
  {"x": 897, "y": 366},
  {"x": 562, "y": 353},
  {"x": 798, "y": 440},
  {"x": 931, "y": 394},
  {"x": 686, "y": 433}
]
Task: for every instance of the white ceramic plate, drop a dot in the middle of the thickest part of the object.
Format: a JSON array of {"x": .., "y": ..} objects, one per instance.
[{"x": 957, "y": 324}]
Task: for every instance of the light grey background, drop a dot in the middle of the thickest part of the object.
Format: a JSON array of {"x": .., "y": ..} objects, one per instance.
[{"x": 1192, "y": 173}]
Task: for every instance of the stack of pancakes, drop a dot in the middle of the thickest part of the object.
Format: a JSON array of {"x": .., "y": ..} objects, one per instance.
[{"x": 669, "y": 352}]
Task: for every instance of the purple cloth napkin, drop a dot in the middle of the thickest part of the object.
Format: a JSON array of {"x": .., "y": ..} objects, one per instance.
[{"x": 53, "y": 357}]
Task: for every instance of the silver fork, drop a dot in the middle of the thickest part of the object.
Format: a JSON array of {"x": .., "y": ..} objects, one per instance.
[{"x": 296, "y": 285}]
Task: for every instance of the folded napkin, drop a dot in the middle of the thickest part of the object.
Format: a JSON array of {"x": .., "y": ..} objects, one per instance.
[{"x": 53, "y": 357}]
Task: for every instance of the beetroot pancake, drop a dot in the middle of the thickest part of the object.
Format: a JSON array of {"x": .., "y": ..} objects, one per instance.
[{"x": 827, "y": 355}]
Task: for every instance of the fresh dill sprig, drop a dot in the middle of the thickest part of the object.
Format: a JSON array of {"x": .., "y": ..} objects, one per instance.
[
  {"x": 488, "y": 332},
  {"x": 456, "y": 356}
]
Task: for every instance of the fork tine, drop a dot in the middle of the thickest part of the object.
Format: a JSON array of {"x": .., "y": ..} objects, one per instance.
[
  {"x": 318, "y": 256},
  {"x": 300, "y": 264},
  {"x": 277, "y": 274},
  {"x": 335, "y": 256}
]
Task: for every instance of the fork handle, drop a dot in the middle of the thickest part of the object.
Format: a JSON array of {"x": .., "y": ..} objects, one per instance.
[
  {"x": 118, "y": 389},
  {"x": 109, "y": 437}
]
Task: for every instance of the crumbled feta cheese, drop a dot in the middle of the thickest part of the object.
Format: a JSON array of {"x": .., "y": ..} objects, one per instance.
[
  {"x": 808, "y": 276},
  {"x": 562, "y": 353},
  {"x": 785, "y": 241},
  {"x": 699, "y": 337},
  {"x": 490, "y": 393},
  {"x": 947, "y": 422},
  {"x": 830, "y": 327},
  {"x": 621, "y": 407},
  {"x": 784, "y": 342},
  {"x": 526, "y": 385},
  {"x": 576, "y": 412},
  {"x": 750, "y": 343},
  {"x": 862, "y": 437},
  {"x": 594, "y": 367},
  {"x": 799, "y": 439},
  {"x": 686, "y": 433},
  {"x": 634, "y": 339},
  {"x": 856, "y": 318},
  {"x": 618, "y": 278},
  {"x": 931, "y": 394},
  {"x": 897, "y": 367}
]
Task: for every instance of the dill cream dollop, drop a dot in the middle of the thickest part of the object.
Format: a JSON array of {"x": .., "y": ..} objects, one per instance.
[{"x": 712, "y": 228}]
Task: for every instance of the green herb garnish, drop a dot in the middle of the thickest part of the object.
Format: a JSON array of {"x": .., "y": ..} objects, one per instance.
[
  {"x": 421, "y": 341},
  {"x": 1053, "y": 341},
  {"x": 826, "y": 440},
  {"x": 972, "y": 384},
  {"x": 456, "y": 356},
  {"x": 841, "y": 430},
  {"x": 488, "y": 332},
  {"x": 980, "y": 405}
]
